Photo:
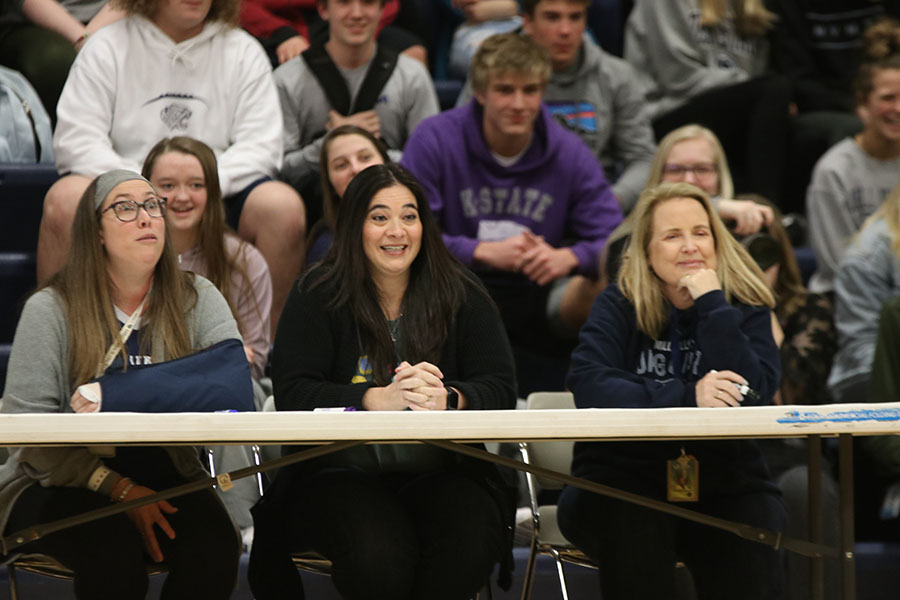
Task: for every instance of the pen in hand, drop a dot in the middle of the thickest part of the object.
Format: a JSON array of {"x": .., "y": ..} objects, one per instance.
[{"x": 744, "y": 389}]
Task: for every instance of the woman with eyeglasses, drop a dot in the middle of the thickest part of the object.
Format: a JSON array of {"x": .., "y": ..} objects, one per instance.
[{"x": 119, "y": 303}]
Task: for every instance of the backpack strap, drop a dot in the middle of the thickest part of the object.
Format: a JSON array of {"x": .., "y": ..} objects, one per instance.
[
  {"x": 329, "y": 77},
  {"x": 379, "y": 72}
]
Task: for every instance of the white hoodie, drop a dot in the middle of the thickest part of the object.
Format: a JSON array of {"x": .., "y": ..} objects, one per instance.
[{"x": 132, "y": 85}]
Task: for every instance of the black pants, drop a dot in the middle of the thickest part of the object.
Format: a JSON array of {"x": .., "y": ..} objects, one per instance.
[
  {"x": 752, "y": 122},
  {"x": 637, "y": 547},
  {"x": 107, "y": 556},
  {"x": 425, "y": 537}
]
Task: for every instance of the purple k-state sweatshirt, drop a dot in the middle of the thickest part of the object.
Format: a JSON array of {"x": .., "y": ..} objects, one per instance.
[{"x": 557, "y": 188}]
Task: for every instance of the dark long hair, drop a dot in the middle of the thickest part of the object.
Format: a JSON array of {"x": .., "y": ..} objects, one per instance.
[{"x": 437, "y": 283}]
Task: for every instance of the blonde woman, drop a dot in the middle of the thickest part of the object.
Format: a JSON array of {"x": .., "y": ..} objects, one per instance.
[
  {"x": 688, "y": 325},
  {"x": 691, "y": 154}
]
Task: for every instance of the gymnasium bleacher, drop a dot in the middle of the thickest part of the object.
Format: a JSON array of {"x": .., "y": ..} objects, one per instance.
[{"x": 22, "y": 189}]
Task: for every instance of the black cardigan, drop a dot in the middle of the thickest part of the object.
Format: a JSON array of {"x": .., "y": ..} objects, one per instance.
[
  {"x": 316, "y": 354},
  {"x": 317, "y": 350}
]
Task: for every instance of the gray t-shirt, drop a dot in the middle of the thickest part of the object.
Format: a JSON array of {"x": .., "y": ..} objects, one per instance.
[
  {"x": 847, "y": 186},
  {"x": 407, "y": 98}
]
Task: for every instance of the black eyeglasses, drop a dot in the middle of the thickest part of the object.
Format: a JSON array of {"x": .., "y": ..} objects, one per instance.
[
  {"x": 700, "y": 170},
  {"x": 127, "y": 210}
]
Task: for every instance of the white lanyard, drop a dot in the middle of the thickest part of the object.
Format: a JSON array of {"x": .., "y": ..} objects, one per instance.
[{"x": 124, "y": 334}]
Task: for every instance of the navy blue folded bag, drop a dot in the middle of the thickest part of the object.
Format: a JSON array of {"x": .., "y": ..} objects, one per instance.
[{"x": 216, "y": 378}]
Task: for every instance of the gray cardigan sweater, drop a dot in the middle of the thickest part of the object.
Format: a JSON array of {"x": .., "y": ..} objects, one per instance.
[{"x": 38, "y": 381}]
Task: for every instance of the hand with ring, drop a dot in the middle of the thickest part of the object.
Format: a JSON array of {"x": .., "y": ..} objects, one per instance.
[{"x": 719, "y": 388}]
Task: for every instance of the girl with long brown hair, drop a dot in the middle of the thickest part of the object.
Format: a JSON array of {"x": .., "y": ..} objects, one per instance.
[{"x": 184, "y": 171}]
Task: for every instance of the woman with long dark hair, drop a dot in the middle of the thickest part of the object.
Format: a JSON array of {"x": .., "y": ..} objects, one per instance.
[{"x": 388, "y": 321}]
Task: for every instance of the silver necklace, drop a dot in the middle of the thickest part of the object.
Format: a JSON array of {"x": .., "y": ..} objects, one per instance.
[{"x": 393, "y": 326}]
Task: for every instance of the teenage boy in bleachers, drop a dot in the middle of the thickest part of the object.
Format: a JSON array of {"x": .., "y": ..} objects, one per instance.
[
  {"x": 593, "y": 93},
  {"x": 520, "y": 199},
  {"x": 349, "y": 80}
]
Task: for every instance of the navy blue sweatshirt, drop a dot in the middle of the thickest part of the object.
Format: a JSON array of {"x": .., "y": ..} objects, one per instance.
[{"x": 617, "y": 366}]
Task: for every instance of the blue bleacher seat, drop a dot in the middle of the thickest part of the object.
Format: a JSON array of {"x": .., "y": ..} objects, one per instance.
[
  {"x": 447, "y": 92},
  {"x": 438, "y": 20},
  {"x": 22, "y": 190},
  {"x": 606, "y": 21}
]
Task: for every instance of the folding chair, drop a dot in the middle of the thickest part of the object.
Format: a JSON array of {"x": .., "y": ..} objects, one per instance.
[{"x": 546, "y": 537}]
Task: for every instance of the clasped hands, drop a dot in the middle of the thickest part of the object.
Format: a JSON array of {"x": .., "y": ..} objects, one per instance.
[
  {"x": 528, "y": 254},
  {"x": 366, "y": 119},
  {"x": 417, "y": 387}
]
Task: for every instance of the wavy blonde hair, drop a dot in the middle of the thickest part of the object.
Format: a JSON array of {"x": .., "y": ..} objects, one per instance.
[
  {"x": 751, "y": 18},
  {"x": 740, "y": 277}
]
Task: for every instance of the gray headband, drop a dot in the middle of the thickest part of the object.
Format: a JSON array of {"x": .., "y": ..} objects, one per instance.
[{"x": 109, "y": 180}]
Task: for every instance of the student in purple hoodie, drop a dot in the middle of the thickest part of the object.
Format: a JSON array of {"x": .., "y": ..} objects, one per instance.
[{"x": 521, "y": 200}]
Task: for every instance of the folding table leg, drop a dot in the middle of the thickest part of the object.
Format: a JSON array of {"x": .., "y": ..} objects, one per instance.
[{"x": 848, "y": 559}]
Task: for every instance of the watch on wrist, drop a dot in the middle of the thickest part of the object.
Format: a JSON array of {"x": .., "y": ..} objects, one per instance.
[{"x": 452, "y": 399}]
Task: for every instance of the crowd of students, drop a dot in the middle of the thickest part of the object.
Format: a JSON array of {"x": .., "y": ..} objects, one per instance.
[{"x": 621, "y": 215}]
